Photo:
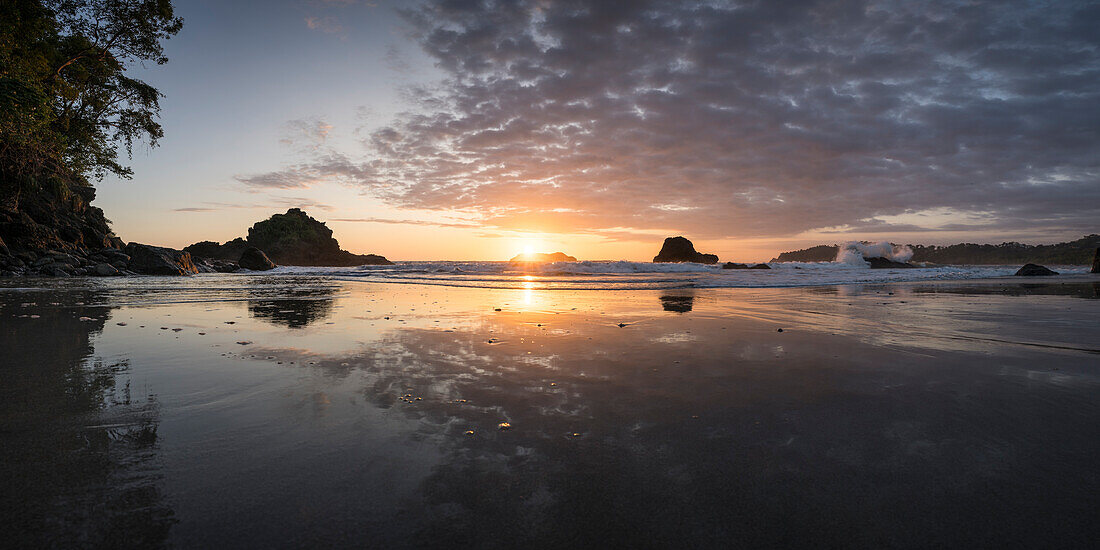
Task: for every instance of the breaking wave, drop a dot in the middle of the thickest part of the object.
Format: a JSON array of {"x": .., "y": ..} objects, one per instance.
[
  {"x": 645, "y": 275},
  {"x": 854, "y": 253}
]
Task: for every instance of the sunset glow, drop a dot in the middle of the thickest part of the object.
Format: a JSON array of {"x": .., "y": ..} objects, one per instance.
[
  {"x": 803, "y": 134},
  {"x": 550, "y": 273}
]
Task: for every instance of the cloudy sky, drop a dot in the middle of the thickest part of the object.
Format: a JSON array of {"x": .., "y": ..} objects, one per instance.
[{"x": 452, "y": 129}]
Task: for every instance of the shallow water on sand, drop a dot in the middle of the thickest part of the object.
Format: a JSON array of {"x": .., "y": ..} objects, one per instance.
[{"x": 253, "y": 411}]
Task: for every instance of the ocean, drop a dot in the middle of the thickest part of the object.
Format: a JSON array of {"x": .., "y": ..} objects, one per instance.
[{"x": 623, "y": 275}]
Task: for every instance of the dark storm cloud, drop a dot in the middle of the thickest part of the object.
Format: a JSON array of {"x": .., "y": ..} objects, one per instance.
[{"x": 744, "y": 118}]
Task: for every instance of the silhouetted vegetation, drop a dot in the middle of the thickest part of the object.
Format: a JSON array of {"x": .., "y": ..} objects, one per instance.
[
  {"x": 66, "y": 102},
  {"x": 1079, "y": 252}
]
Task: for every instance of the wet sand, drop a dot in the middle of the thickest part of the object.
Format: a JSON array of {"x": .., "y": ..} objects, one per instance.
[{"x": 230, "y": 411}]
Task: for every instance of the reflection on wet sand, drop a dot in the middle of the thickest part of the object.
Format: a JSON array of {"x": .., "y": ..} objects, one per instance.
[
  {"x": 301, "y": 308},
  {"x": 681, "y": 302},
  {"x": 79, "y": 442},
  {"x": 881, "y": 415},
  {"x": 772, "y": 436}
]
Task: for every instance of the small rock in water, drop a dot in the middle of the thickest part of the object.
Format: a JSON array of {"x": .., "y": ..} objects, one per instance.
[
  {"x": 469, "y": 432},
  {"x": 163, "y": 328},
  {"x": 496, "y": 309},
  {"x": 1032, "y": 270},
  {"x": 121, "y": 324},
  {"x": 244, "y": 342},
  {"x": 621, "y": 325},
  {"x": 230, "y": 322},
  {"x": 176, "y": 329},
  {"x": 779, "y": 330},
  {"x": 202, "y": 334},
  {"x": 504, "y": 426}
]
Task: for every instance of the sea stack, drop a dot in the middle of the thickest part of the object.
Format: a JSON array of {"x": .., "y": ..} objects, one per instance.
[
  {"x": 679, "y": 249},
  {"x": 1096, "y": 262},
  {"x": 294, "y": 238},
  {"x": 542, "y": 257}
]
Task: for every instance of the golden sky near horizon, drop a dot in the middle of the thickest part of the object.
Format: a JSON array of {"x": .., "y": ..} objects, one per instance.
[{"x": 463, "y": 131}]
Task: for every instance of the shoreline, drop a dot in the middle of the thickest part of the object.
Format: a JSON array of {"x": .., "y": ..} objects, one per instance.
[{"x": 555, "y": 282}]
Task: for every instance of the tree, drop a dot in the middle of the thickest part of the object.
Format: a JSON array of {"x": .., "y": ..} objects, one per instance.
[{"x": 66, "y": 102}]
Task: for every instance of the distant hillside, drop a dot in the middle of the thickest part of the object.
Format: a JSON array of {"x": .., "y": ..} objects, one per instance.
[
  {"x": 1079, "y": 252},
  {"x": 819, "y": 253}
]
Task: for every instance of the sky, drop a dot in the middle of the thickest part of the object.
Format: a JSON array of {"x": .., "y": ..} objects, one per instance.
[{"x": 466, "y": 129}]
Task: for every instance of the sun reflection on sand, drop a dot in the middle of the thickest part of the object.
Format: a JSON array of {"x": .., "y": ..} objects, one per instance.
[{"x": 529, "y": 286}]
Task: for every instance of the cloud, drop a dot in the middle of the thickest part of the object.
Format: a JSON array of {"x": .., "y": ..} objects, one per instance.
[
  {"x": 306, "y": 134},
  {"x": 742, "y": 119},
  {"x": 328, "y": 24},
  {"x": 272, "y": 203},
  {"x": 407, "y": 222}
]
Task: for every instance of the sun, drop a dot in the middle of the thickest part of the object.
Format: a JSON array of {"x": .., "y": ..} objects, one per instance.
[{"x": 529, "y": 246}]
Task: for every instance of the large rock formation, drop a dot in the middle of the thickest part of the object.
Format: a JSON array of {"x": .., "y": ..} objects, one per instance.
[
  {"x": 293, "y": 238},
  {"x": 253, "y": 258},
  {"x": 1032, "y": 270},
  {"x": 679, "y": 249},
  {"x": 157, "y": 260},
  {"x": 55, "y": 233},
  {"x": 542, "y": 257}
]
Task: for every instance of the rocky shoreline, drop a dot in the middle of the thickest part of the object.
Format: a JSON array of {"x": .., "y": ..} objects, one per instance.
[{"x": 61, "y": 235}]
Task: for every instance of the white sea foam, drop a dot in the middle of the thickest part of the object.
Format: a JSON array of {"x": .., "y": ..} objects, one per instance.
[
  {"x": 646, "y": 275},
  {"x": 854, "y": 252}
]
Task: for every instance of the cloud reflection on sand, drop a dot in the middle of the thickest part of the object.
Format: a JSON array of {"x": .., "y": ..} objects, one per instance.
[{"x": 866, "y": 422}]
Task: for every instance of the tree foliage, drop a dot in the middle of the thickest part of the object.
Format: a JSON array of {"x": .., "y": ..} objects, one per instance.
[
  {"x": 1079, "y": 252},
  {"x": 66, "y": 102}
]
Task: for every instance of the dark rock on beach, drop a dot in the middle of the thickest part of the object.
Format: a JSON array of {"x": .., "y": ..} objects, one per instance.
[
  {"x": 1032, "y": 270},
  {"x": 733, "y": 265},
  {"x": 54, "y": 232},
  {"x": 157, "y": 260},
  {"x": 679, "y": 249},
  {"x": 253, "y": 258},
  {"x": 230, "y": 251},
  {"x": 213, "y": 265},
  {"x": 884, "y": 263}
]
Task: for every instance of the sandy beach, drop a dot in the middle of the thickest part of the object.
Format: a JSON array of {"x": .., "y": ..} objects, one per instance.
[{"x": 256, "y": 411}]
